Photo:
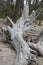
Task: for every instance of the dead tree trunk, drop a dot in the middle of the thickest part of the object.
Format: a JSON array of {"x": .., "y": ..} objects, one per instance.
[
  {"x": 16, "y": 32},
  {"x": 24, "y": 55}
]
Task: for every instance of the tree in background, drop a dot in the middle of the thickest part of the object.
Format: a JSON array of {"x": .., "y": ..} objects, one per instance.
[
  {"x": 18, "y": 9},
  {"x": 8, "y": 7},
  {"x": 1, "y": 6}
]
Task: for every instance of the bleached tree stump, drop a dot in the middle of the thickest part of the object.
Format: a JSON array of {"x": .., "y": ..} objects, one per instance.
[{"x": 23, "y": 50}]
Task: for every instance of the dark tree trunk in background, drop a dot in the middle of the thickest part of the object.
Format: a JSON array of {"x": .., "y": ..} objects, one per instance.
[
  {"x": 8, "y": 8},
  {"x": 18, "y": 9},
  {"x": 8, "y": 3},
  {"x": 0, "y": 6}
]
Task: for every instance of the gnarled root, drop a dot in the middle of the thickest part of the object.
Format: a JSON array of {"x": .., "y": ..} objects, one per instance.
[{"x": 37, "y": 47}]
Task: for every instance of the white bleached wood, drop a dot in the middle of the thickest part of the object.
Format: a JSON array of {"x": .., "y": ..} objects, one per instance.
[
  {"x": 23, "y": 50},
  {"x": 16, "y": 32}
]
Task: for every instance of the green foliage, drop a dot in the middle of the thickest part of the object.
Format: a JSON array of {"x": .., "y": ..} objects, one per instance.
[
  {"x": 40, "y": 17},
  {"x": 12, "y": 7},
  {"x": 4, "y": 10},
  {"x": 3, "y": 16}
]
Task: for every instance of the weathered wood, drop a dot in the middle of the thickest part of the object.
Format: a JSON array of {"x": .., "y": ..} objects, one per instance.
[
  {"x": 37, "y": 47},
  {"x": 24, "y": 50}
]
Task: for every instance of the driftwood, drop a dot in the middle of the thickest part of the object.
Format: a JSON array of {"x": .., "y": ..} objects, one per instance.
[
  {"x": 37, "y": 47},
  {"x": 24, "y": 51},
  {"x": 16, "y": 32}
]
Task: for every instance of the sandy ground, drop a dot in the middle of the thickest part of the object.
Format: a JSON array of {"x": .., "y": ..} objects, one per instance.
[{"x": 7, "y": 55}]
